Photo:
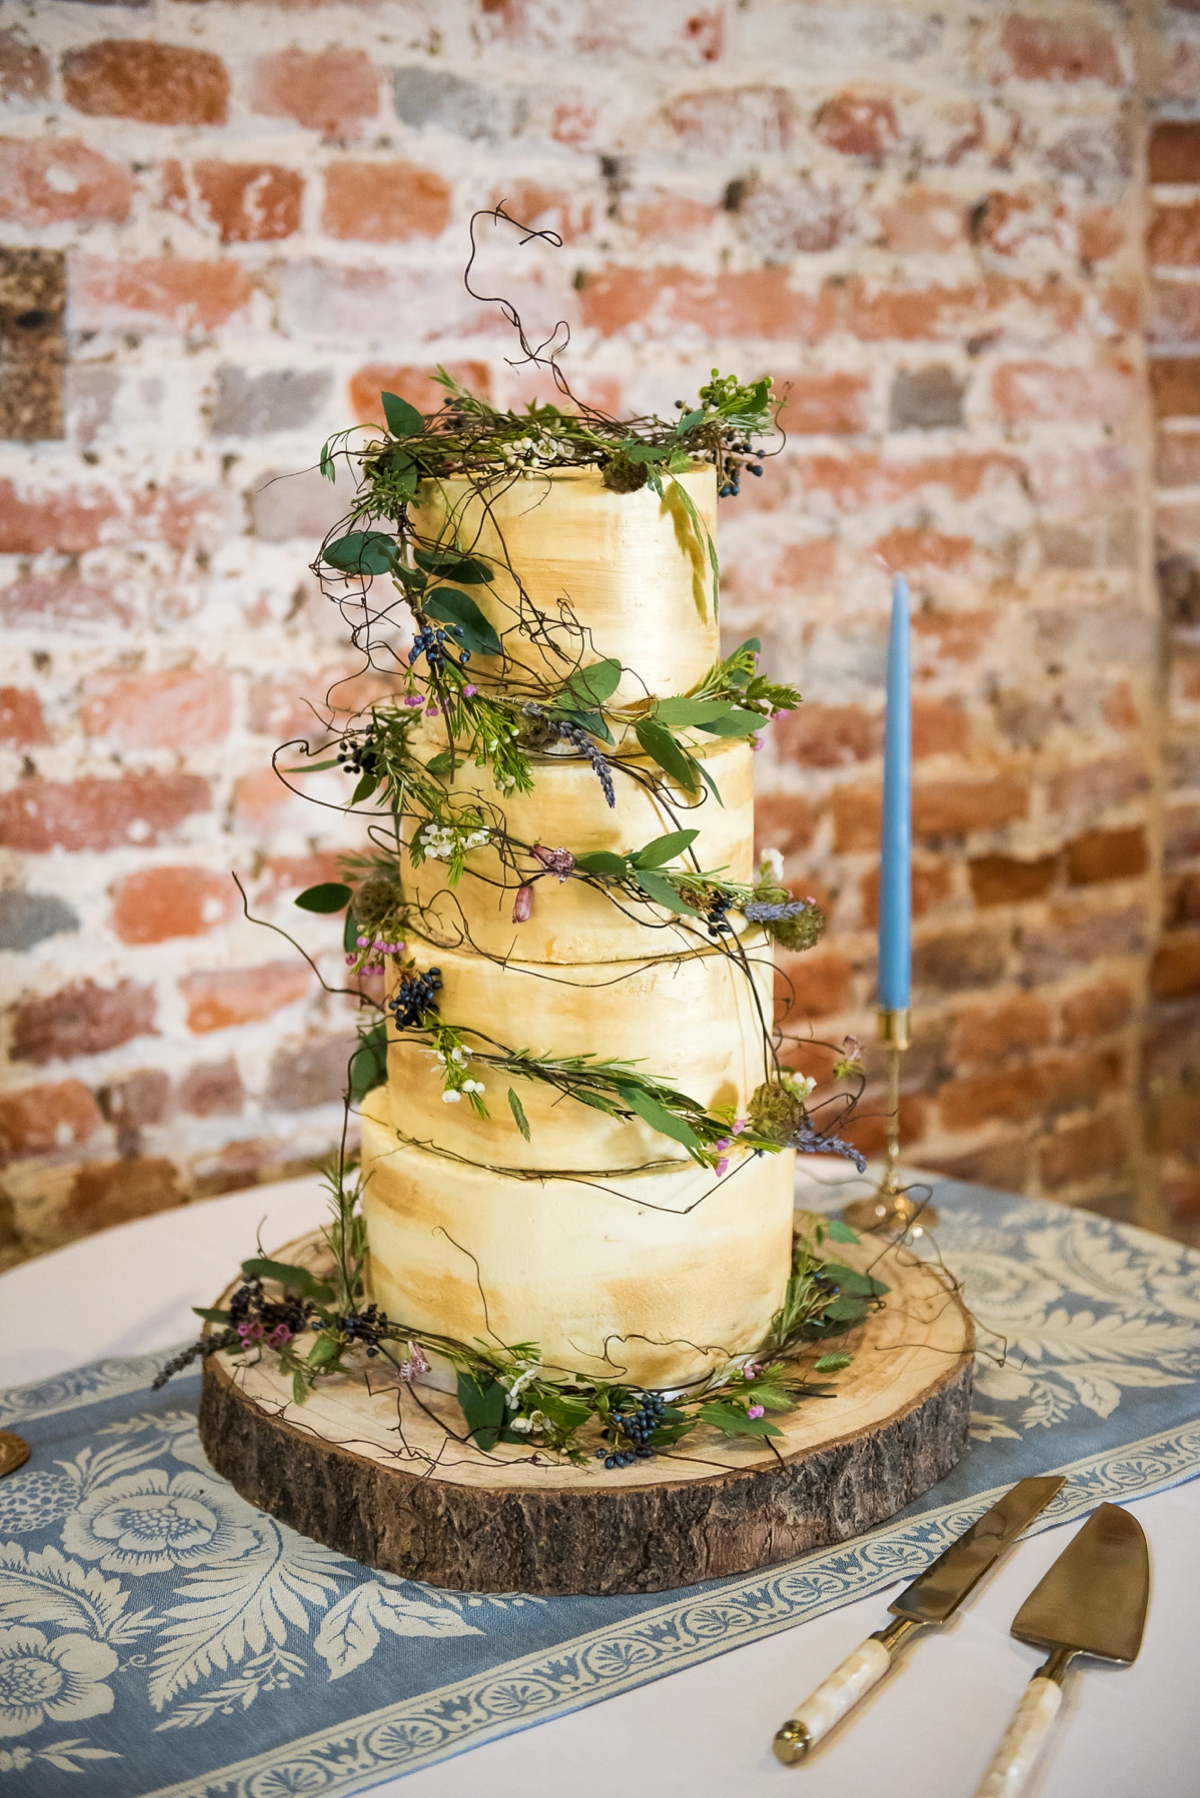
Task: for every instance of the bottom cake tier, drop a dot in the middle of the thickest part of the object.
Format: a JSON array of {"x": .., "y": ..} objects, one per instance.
[{"x": 648, "y": 1277}]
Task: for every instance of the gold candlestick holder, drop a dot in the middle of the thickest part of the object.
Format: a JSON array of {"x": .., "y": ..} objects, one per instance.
[{"x": 889, "y": 1210}]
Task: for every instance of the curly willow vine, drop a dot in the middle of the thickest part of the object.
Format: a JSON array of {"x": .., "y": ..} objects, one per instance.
[{"x": 465, "y": 693}]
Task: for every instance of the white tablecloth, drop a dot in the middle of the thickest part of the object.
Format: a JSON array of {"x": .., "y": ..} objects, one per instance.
[{"x": 926, "y": 1732}]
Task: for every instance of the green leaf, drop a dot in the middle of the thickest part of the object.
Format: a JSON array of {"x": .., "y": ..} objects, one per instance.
[
  {"x": 362, "y": 552},
  {"x": 682, "y": 713},
  {"x": 732, "y": 1422},
  {"x": 753, "y": 644},
  {"x": 330, "y": 896},
  {"x": 597, "y": 1101},
  {"x": 441, "y": 763},
  {"x": 850, "y": 1280},
  {"x": 209, "y": 1316},
  {"x": 648, "y": 452},
  {"x": 350, "y": 932},
  {"x": 592, "y": 722},
  {"x": 411, "y": 578},
  {"x": 710, "y": 783},
  {"x": 368, "y": 1064},
  {"x": 298, "y": 1278},
  {"x": 837, "y": 1231},
  {"x": 450, "y": 606},
  {"x": 845, "y": 1311},
  {"x": 659, "y": 1118},
  {"x": 689, "y": 421},
  {"x": 567, "y": 1412},
  {"x": 664, "y": 849},
  {"x": 662, "y": 748},
  {"x": 366, "y": 786},
  {"x": 299, "y": 1388},
  {"x": 602, "y": 861},
  {"x": 452, "y": 565},
  {"x": 832, "y": 1363},
  {"x": 738, "y": 723},
  {"x": 403, "y": 420},
  {"x": 663, "y": 893},
  {"x": 325, "y": 1348},
  {"x": 592, "y": 685},
  {"x": 483, "y": 1407},
  {"x": 518, "y": 1111}
]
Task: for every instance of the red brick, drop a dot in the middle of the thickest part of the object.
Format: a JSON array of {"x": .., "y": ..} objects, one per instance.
[
  {"x": 416, "y": 385},
  {"x": 72, "y": 520},
  {"x": 67, "y": 520},
  {"x": 42, "y": 183},
  {"x": 157, "y": 903},
  {"x": 332, "y": 90},
  {"x": 569, "y": 213},
  {"x": 165, "y": 293},
  {"x": 1172, "y": 1123},
  {"x": 1107, "y": 855},
  {"x": 723, "y": 121},
  {"x": 1049, "y": 49},
  {"x": 930, "y": 887},
  {"x": 881, "y": 314},
  {"x": 958, "y": 959},
  {"x": 939, "y": 727},
  {"x": 24, "y": 70},
  {"x": 39, "y": 1119},
  {"x": 262, "y": 800},
  {"x": 811, "y": 986},
  {"x": 1179, "y": 455},
  {"x": 181, "y": 708},
  {"x": 828, "y": 736},
  {"x": 753, "y": 303},
  {"x": 85, "y": 1019},
  {"x": 238, "y": 1164},
  {"x": 660, "y": 217},
  {"x": 1181, "y": 1196},
  {"x": 219, "y": 997},
  {"x": 157, "y": 84},
  {"x": 1079, "y": 937},
  {"x": 1174, "y": 151},
  {"x": 954, "y": 808},
  {"x": 134, "y": 1100},
  {"x": 37, "y": 815},
  {"x": 116, "y": 1192},
  {"x": 920, "y": 220},
  {"x": 1181, "y": 841},
  {"x": 1032, "y": 392},
  {"x": 212, "y": 1089},
  {"x": 958, "y": 637},
  {"x": 1111, "y": 781},
  {"x": 1054, "y": 1084},
  {"x": 867, "y": 1128},
  {"x": 1173, "y": 240},
  {"x": 1002, "y": 880},
  {"x": 1181, "y": 901},
  {"x": 832, "y": 404},
  {"x": 1175, "y": 386},
  {"x": 1175, "y": 970},
  {"x": 249, "y": 202},
  {"x": 920, "y": 547},
  {"x": 784, "y": 821},
  {"x": 21, "y": 721},
  {"x": 993, "y": 1033},
  {"x": 384, "y": 202},
  {"x": 1174, "y": 313},
  {"x": 1083, "y": 1152},
  {"x": 1009, "y": 224},
  {"x": 799, "y": 565},
  {"x": 1100, "y": 233},
  {"x": 292, "y": 873},
  {"x": 309, "y": 1073},
  {"x": 1096, "y": 1011},
  {"x": 858, "y": 124},
  {"x": 857, "y": 814}
]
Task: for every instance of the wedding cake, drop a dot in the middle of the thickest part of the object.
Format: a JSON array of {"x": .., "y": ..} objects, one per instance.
[{"x": 542, "y": 1217}]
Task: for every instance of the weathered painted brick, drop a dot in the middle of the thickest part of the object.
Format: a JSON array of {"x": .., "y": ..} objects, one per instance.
[
  {"x": 334, "y": 91},
  {"x": 220, "y": 997},
  {"x": 46, "y": 183},
  {"x": 39, "y": 815},
  {"x": 158, "y": 903},
  {"x": 81, "y": 1020},
  {"x": 158, "y": 84},
  {"x": 384, "y": 202},
  {"x": 182, "y": 708}
]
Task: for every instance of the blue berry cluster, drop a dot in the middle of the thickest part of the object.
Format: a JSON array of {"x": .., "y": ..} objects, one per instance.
[
  {"x": 733, "y": 485},
  {"x": 637, "y": 1427},
  {"x": 416, "y": 996},
  {"x": 431, "y": 644},
  {"x": 368, "y": 1327},
  {"x": 718, "y": 915}
]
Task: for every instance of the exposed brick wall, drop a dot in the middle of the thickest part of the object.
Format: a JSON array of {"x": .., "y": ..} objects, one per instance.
[{"x": 929, "y": 220}]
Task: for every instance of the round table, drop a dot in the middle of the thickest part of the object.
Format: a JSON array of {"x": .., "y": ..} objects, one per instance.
[{"x": 926, "y": 1732}]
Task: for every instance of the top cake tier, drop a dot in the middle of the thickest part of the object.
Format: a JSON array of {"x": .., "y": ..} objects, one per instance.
[{"x": 619, "y": 575}]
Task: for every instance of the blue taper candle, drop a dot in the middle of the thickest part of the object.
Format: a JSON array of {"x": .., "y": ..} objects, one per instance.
[{"x": 895, "y": 877}]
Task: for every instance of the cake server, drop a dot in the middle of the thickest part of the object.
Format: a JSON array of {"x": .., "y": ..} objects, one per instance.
[
  {"x": 1092, "y": 1601},
  {"x": 933, "y": 1597}
]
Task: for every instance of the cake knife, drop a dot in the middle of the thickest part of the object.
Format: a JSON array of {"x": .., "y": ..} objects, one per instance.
[{"x": 933, "y": 1597}]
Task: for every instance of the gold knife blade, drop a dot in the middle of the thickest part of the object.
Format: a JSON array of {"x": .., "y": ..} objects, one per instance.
[{"x": 932, "y": 1597}]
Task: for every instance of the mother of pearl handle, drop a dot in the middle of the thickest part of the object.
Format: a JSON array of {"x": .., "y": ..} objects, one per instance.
[
  {"x": 831, "y": 1700},
  {"x": 1013, "y": 1761}
]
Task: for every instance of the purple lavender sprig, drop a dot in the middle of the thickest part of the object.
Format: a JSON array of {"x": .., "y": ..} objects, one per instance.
[
  {"x": 762, "y": 911},
  {"x": 581, "y": 741},
  {"x": 807, "y": 1140}
]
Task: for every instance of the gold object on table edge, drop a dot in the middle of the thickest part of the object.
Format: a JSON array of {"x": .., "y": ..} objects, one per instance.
[
  {"x": 889, "y": 1210},
  {"x": 14, "y": 1452}
]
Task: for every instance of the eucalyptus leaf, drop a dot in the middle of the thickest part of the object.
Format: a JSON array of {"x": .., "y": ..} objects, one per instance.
[
  {"x": 326, "y": 1348},
  {"x": 452, "y": 565},
  {"x": 662, "y": 748},
  {"x": 597, "y": 1101},
  {"x": 710, "y": 783},
  {"x": 603, "y": 861},
  {"x": 402, "y": 419},
  {"x": 366, "y": 786},
  {"x": 411, "y": 578},
  {"x": 362, "y": 552},
  {"x": 592, "y": 685},
  {"x": 483, "y": 1407},
  {"x": 837, "y": 1231},
  {"x": 368, "y": 1064},
  {"x": 664, "y": 849},
  {"x": 656, "y": 887},
  {"x": 449, "y": 606},
  {"x": 350, "y": 932},
  {"x": 330, "y": 896},
  {"x": 737, "y": 723},
  {"x": 659, "y": 1118},
  {"x": 682, "y": 713},
  {"x": 592, "y": 722},
  {"x": 298, "y": 1278},
  {"x": 846, "y": 1311},
  {"x": 211, "y": 1316},
  {"x": 689, "y": 421},
  {"x": 733, "y": 1422}
]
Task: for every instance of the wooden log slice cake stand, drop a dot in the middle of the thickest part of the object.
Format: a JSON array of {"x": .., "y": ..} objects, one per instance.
[{"x": 386, "y": 1477}]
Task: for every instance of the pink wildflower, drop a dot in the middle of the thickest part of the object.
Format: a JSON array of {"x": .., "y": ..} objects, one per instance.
[
  {"x": 415, "y": 1366},
  {"x": 723, "y": 1144},
  {"x": 722, "y": 1164},
  {"x": 414, "y": 699},
  {"x": 522, "y": 904},
  {"x": 754, "y": 1410},
  {"x": 756, "y": 742},
  {"x": 250, "y": 1331},
  {"x": 735, "y": 1129},
  {"x": 469, "y": 691},
  {"x": 559, "y": 862},
  {"x": 279, "y": 1335},
  {"x": 431, "y": 711}
]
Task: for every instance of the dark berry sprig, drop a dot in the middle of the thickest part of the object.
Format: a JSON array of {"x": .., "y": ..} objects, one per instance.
[
  {"x": 637, "y": 1427},
  {"x": 718, "y": 915},
  {"x": 358, "y": 753},
  {"x": 416, "y": 995}
]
